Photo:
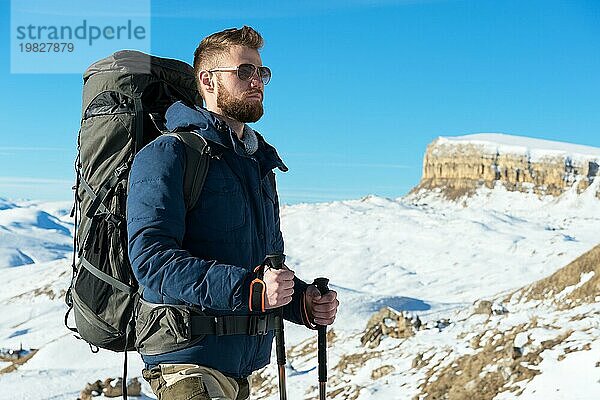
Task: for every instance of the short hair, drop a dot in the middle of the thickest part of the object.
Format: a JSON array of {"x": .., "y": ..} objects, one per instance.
[{"x": 212, "y": 47}]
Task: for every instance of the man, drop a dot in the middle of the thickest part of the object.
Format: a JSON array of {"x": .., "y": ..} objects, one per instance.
[{"x": 201, "y": 263}]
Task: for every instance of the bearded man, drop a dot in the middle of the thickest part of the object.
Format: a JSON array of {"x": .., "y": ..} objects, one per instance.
[{"x": 201, "y": 264}]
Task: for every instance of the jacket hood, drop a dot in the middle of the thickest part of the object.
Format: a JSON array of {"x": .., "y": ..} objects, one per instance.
[{"x": 181, "y": 117}]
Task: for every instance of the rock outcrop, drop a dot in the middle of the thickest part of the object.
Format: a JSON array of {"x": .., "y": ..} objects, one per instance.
[
  {"x": 459, "y": 165},
  {"x": 576, "y": 284},
  {"x": 388, "y": 322},
  {"x": 110, "y": 388}
]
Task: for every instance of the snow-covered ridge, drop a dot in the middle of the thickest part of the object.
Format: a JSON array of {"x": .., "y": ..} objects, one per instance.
[
  {"x": 536, "y": 149},
  {"x": 33, "y": 232}
]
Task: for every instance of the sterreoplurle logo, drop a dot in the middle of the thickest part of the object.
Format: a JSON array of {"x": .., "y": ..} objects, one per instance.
[{"x": 66, "y": 36}]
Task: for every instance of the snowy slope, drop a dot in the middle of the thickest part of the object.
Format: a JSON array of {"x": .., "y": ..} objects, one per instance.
[
  {"x": 33, "y": 232},
  {"x": 540, "y": 342},
  {"x": 32, "y": 305},
  {"x": 429, "y": 256}
]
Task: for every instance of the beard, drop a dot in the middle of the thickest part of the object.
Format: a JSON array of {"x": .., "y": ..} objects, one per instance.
[{"x": 240, "y": 109}]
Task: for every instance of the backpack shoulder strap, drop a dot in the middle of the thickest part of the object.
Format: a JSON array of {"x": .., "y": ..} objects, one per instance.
[{"x": 196, "y": 165}]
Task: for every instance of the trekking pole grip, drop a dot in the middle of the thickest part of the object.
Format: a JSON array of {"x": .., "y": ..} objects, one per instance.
[
  {"x": 275, "y": 261},
  {"x": 322, "y": 285}
]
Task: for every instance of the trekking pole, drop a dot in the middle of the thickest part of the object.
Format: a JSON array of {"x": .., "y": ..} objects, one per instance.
[
  {"x": 321, "y": 284},
  {"x": 276, "y": 262}
]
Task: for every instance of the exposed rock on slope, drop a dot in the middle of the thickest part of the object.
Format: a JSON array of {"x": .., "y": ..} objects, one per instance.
[
  {"x": 459, "y": 165},
  {"x": 507, "y": 351},
  {"x": 576, "y": 284},
  {"x": 387, "y": 322}
]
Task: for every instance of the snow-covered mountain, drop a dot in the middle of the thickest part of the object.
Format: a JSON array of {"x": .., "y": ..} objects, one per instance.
[{"x": 459, "y": 266}]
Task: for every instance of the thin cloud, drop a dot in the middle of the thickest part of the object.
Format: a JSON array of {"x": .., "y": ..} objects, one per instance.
[
  {"x": 289, "y": 198},
  {"x": 358, "y": 165},
  {"x": 23, "y": 181},
  {"x": 16, "y": 148},
  {"x": 319, "y": 194},
  {"x": 317, "y": 189}
]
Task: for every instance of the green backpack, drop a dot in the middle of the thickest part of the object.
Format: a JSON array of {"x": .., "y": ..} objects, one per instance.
[{"x": 125, "y": 97}]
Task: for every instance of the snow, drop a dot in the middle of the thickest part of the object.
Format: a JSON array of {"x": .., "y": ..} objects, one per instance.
[
  {"x": 575, "y": 377},
  {"x": 32, "y": 232},
  {"x": 425, "y": 255},
  {"x": 536, "y": 149}
]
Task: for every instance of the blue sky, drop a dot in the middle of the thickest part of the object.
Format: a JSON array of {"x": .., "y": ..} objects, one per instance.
[{"x": 359, "y": 88}]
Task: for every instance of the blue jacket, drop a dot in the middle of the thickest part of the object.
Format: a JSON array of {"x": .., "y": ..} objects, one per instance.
[{"x": 205, "y": 257}]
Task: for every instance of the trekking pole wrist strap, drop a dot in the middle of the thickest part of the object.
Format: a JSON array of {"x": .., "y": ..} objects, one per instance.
[
  {"x": 306, "y": 318},
  {"x": 258, "y": 290}
]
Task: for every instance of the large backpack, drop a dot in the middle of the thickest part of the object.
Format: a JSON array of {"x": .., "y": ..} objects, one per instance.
[{"x": 125, "y": 97}]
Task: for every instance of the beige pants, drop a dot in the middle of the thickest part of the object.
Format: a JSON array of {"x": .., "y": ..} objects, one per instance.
[{"x": 194, "y": 382}]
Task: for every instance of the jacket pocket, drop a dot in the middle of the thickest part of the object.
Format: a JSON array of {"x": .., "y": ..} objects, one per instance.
[{"x": 161, "y": 328}]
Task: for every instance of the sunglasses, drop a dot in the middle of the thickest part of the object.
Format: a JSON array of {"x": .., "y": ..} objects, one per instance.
[{"x": 246, "y": 71}]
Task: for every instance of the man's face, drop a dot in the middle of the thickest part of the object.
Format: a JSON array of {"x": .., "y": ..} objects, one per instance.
[{"x": 238, "y": 99}]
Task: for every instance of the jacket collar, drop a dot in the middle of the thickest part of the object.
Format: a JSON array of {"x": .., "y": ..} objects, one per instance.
[{"x": 180, "y": 117}]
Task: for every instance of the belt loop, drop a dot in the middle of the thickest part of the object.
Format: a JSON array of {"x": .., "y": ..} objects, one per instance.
[{"x": 219, "y": 326}]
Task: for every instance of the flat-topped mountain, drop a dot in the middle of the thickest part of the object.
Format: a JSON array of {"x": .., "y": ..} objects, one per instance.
[{"x": 457, "y": 166}]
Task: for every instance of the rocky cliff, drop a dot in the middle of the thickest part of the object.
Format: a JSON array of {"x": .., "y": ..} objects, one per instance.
[{"x": 459, "y": 165}]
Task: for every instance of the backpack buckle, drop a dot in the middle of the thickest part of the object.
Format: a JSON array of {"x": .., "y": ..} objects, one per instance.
[{"x": 257, "y": 325}]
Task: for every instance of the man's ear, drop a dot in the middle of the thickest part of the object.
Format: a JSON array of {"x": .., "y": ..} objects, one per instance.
[{"x": 206, "y": 81}]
